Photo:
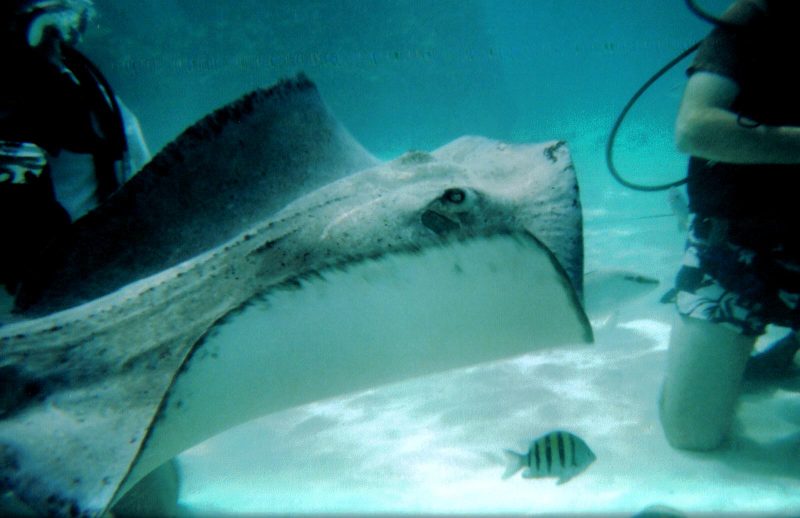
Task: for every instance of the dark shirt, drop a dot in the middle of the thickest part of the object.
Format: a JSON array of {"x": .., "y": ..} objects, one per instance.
[
  {"x": 57, "y": 106},
  {"x": 41, "y": 104},
  {"x": 761, "y": 58}
]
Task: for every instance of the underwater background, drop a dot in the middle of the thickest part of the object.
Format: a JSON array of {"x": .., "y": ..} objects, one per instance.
[{"x": 403, "y": 75}]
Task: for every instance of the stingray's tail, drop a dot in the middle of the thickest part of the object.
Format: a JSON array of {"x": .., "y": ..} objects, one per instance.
[{"x": 514, "y": 462}]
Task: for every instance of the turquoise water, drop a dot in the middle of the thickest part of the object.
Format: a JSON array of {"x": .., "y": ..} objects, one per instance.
[
  {"x": 424, "y": 72},
  {"x": 415, "y": 75}
]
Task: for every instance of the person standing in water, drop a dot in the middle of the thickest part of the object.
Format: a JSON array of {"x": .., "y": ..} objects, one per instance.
[
  {"x": 66, "y": 141},
  {"x": 739, "y": 120}
]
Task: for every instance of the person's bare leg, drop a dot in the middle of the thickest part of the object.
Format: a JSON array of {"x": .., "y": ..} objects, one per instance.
[{"x": 705, "y": 364}]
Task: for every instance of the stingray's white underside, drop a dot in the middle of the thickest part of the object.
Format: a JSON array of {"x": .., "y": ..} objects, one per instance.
[{"x": 374, "y": 322}]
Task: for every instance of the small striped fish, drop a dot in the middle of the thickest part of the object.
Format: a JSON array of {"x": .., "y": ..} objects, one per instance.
[{"x": 556, "y": 454}]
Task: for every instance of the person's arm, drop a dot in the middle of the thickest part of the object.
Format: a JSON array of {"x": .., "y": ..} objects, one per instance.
[{"x": 706, "y": 127}]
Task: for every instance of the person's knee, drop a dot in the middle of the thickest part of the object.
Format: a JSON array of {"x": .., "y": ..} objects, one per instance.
[{"x": 705, "y": 363}]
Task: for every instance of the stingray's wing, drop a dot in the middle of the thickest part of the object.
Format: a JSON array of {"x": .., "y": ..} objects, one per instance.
[{"x": 228, "y": 171}]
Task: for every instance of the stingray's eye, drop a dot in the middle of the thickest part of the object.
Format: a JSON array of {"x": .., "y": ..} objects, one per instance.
[{"x": 454, "y": 195}]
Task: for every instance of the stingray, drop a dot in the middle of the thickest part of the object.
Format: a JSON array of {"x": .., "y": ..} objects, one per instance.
[{"x": 264, "y": 260}]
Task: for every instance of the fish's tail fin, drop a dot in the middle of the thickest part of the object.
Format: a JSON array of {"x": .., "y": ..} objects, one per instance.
[{"x": 514, "y": 462}]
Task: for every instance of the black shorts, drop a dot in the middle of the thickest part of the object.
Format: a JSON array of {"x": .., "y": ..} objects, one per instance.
[{"x": 741, "y": 287}]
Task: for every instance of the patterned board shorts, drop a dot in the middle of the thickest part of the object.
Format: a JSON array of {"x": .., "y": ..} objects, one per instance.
[{"x": 742, "y": 288}]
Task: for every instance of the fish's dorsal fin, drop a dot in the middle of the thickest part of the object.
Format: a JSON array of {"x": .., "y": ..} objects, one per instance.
[{"x": 230, "y": 170}]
